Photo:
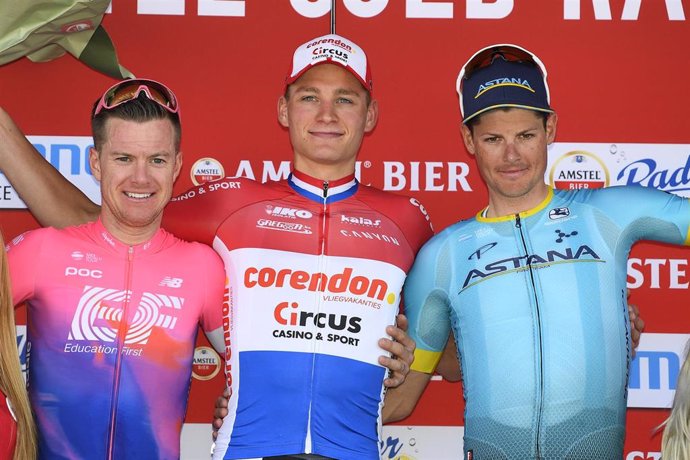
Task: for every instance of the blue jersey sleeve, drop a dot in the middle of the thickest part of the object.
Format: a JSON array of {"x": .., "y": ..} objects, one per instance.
[
  {"x": 427, "y": 300},
  {"x": 647, "y": 213}
]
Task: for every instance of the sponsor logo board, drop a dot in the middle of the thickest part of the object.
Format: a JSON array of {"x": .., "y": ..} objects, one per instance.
[{"x": 654, "y": 371}]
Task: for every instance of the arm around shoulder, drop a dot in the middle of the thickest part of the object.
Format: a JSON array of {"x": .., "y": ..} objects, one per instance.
[{"x": 51, "y": 198}]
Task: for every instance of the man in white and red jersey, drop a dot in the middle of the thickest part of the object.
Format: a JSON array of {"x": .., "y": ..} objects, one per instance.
[
  {"x": 114, "y": 305},
  {"x": 315, "y": 263}
]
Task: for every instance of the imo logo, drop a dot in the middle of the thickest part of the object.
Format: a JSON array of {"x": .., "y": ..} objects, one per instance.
[{"x": 99, "y": 314}]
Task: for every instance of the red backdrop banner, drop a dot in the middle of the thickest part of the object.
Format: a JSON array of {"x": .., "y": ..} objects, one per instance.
[{"x": 618, "y": 75}]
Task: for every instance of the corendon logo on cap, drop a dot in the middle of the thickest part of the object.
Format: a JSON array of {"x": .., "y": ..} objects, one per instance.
[
  {"x": 331, "y": 41},
  {"x": 505, "y": 81}
]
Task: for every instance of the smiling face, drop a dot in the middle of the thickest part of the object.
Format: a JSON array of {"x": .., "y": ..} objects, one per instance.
[
  {"x": 510, "y": 148},
  {"x": 327, "y": 114},
  {"x": 137, "y": 166}
]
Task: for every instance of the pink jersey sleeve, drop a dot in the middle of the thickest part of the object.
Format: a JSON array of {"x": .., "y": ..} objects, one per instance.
[
  {"x": 22, "y": 255},
  {"x": 212, "y": 311}
]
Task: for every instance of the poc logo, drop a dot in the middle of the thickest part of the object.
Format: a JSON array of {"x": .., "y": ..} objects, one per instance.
[
  {"x": 83, "y": 272},
  {"x": 278, "y": 211}
]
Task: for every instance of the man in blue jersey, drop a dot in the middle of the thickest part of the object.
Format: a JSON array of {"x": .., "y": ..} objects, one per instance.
[{"x": 534, "y": 286}]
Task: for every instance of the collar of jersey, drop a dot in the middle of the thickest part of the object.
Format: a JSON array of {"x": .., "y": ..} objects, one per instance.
[
  {"x": 549, "y": 196},
  {"x": 312, "y": 188},
  {"x": 105, "y": 238}
]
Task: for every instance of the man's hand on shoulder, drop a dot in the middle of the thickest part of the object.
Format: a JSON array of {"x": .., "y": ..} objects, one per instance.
[{"x": 401, "y": 347}]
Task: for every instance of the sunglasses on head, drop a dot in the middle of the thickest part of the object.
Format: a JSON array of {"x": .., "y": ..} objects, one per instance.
[
  {"x": 486, "y": 56},
  {"x": 129, "y": 90}
]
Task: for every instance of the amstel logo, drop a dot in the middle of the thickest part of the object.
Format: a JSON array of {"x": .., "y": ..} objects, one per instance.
[
  {"x": 578, "y": 169},
  {"x": 206, "y": 170},
  {"x": 206, "y": 364}
]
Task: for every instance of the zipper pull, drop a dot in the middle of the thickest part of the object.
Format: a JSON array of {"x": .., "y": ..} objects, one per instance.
[
  {"x": 518, "y": 224},
  {"x": 325, "y": 189},
  {"x": 130, "y": 251}
]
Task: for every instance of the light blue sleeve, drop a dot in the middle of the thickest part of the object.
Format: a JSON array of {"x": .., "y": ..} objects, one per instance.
[
  {"x": 427, "y": 303},
  {"x": 647, "y": 213}
]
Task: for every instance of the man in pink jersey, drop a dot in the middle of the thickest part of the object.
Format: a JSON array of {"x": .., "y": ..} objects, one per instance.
[{"x": 114, "y": 305}]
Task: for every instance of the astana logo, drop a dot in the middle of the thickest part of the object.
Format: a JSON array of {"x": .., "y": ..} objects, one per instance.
[{"x": 99, "y": 315}]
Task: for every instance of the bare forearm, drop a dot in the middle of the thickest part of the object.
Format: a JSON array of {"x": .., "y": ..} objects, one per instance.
[
  {"x": 449, "y": 366},
  {"x": 401, "y": 401},
  {"x": 51, "y": 198}
]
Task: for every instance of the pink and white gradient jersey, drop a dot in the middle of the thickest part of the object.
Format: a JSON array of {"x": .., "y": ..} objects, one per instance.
[{"x": 111, "y": 331}]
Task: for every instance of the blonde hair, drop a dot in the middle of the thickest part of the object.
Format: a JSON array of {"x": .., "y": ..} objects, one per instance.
[
  {"x": 11, "y": 380},
  {"x": 675, "y": 441}
]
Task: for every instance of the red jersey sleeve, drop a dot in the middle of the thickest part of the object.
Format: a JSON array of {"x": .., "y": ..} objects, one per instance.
[{"x": 196, "y": 214}]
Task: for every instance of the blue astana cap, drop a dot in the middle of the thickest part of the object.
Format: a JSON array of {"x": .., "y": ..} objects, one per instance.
[{"x": 503, "y": 82}]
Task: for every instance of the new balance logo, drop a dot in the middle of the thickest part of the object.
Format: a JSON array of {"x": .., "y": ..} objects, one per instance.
[{"x": 171, "y": 282}]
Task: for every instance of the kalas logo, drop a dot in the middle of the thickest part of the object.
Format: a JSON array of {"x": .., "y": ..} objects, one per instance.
[
  {"x": 284, "y": 316},
  {"x": 360, "y": 221},
  {"x": 577, "y": 170},
  {"x": 338, "y": 283}
]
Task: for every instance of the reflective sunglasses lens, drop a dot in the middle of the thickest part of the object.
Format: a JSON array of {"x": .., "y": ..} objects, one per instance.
[
  {"x": 130, "y": 90},
  {"x": 486, "y": 57}
]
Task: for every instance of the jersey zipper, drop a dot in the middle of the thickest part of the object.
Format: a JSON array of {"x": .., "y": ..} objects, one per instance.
[
  {"x": 540, "y": 354},
  {"x": 121, "y": 335},
  {"x": 321, "y": 269}
]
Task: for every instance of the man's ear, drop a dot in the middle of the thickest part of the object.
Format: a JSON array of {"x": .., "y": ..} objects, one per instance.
[
  {"x": 95, "y": 163},
  {"x": 467, "y": 138},
  {"x": 283, "y": 112},
  {"x": 551, "y": 122},
  {"x": 178, "y": 165},
  {"x": 372, "y": 116}
]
